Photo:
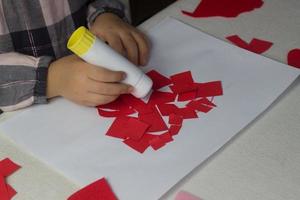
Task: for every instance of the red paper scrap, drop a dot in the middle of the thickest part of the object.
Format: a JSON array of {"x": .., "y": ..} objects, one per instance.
[
  {"x": 136, "y": 128},
  {"x": 185, "y": 96},
  {"x": 199, "y": 106},
  {"x": 119, "y": 113},
  {"x": 158, "y": 97},
  {"x": 174, "y": 129},
  {"x": 182, "y": 88},
  {"x": 256, "y": 45},
  {"x": 157, "y": 143},
  {"x": 187, "y": 113},
  {"x": 183, "y": 77},
  {"x": 294, "y": 58},
  {"x": 127, "y": 127},
  {"x": 99, "y": 190},
  {"x": 139, "y": 105},
  {"x": 209, "y": 89},
  {"x": 167, "y": 109},
  {"x": 166, "y": 137},
  {"x": 175, "y": 119},
  {"x": 155, "y": 121},
  {"x": 159, "y": 80},
  {"x": 182, "y": 195},
  {"x": 224, "y": 8},
  {"x": 140, "y": 145},
  {"x": 7, "y": 167},
  {"x": 118, "y": 104},
  {"x": 205, "y": 101},
  {"x": 118, "y": 128}
]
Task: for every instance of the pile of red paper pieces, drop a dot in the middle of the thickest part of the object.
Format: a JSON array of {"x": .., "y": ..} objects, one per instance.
[
  {"x": 7, "y": 167},
  {"x": 141, "y": 125}
]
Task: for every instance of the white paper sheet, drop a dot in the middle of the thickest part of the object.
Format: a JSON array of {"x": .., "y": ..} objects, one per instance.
[{"x": 72, "y": 138}]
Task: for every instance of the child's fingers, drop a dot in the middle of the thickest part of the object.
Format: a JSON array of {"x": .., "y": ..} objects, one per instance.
[
  {"x": 143, "y": 46},
  {"x": 115, "y": 42},
  {"x": 105, "y": 75},
  {"x": 131, "y": 47},
  {"x": 96, "y": 99},
  {"x": 111, "y": 89}
]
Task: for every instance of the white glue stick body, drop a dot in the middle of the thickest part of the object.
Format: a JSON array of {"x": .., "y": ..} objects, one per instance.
[{"x": 94, "y": 51}]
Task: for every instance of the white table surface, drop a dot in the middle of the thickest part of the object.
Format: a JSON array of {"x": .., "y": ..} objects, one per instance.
[{"x": 262, "y": 162}]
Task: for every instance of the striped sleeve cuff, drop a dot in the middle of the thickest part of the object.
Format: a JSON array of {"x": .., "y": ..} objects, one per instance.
[
  {"x": 40, "y": 88},
  {"x": 97, "y": 8}
]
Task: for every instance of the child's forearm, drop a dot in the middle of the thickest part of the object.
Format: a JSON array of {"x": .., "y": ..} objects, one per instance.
[{"x": 22, "y": 80}]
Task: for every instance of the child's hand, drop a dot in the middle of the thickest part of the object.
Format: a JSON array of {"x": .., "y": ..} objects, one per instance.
[
  {"x": 121, "y": 36},
  {"x": 83, "y": 83}
]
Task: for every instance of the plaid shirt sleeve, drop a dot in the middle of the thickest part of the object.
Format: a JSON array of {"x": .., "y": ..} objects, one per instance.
[{"x": 32, "y": 36}]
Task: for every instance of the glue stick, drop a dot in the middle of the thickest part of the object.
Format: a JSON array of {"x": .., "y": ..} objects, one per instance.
[{"x": 94, "y": 51}]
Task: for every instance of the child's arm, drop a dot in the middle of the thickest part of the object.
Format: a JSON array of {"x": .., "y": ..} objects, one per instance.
[{"x": 22, "y": 80}]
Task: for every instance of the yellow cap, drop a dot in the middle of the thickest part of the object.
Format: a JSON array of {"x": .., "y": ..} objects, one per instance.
[{"x": 81, "y": 41}]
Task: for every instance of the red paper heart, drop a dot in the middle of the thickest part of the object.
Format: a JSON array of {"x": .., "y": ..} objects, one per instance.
[
  {"x": 224, "y": 8},
  {"x": 294, "y": 58}
]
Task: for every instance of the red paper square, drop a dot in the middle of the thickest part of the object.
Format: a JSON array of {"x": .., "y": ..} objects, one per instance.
[
  {"x": 175, "y": 119},
  {"x": 158, "y": 97},
  {"x": 140, "y": 145},
  {"x": 155, "y": 121},
  {"x": 209, "y": 89},
  {"x": 174, "y": 129},
  {"x": 157, "y": 143},
  {"x": 167, "y": 109},
  {"x": 159, "y": 80}
]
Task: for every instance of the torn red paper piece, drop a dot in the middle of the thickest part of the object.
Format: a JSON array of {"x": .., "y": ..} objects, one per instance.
[
  {"x": 187, "y": 113},
  {"x": 182, "y": 88},
  {"x": 174, "y": 129},
  {"x": 157, "y": 143},
  {"x": 183, "y": 77},
  {"x": 175, "y": 119},
  {"x": 167, "y": 109},
  {"x": 99, "y": 190},
  {"x": 199, "y": 106},
  {"x": 159, "y": 80},
  {"x": 166, "y": 137},
  {"x": 118, "y": 128},
  {"x": 118, "y": 104},
  {"x": 209, "y": 89},
  {"x": 294, "y": 58},
  {"x": 185, "y": 96},
  {"x": 3, "y": 189},
  {"x": 256, "y": 45},
  {"x": 119, "y": 113},
  {"x": 155, "y": 121},
  {"x": 140, "y": 145},
  {"x": 158, "y": 97},
  {"x": 127, "y": 127},
  {"x": 136, "y": 128},
  {"x": 7, "y": 167},
  {"x": 182, "y": 195},
  {"x": 10, "y": 191},
  {"x": 182, "y": 82},
  {"x": 139, "y": 105},
  {"x": 224, "y": 8}
]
